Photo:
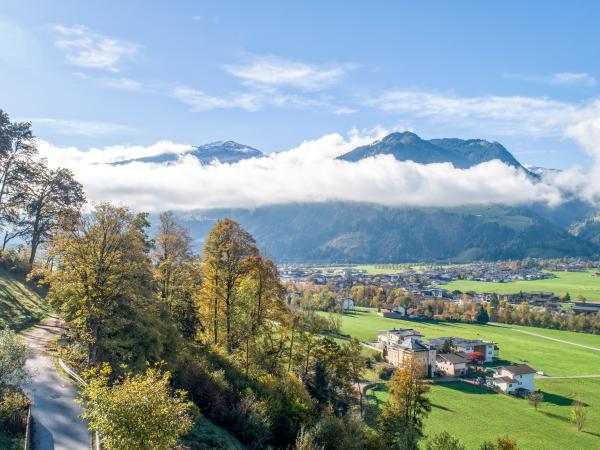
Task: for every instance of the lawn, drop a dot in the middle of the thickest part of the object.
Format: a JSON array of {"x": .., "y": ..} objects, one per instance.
[
  {"x": 475, "y": 414},
  {"x": 205, "y": 434},
  {"x": 575, "y": 283},
  {"x": 554, "y": 358},
  {"x": 20, "y": 304}
]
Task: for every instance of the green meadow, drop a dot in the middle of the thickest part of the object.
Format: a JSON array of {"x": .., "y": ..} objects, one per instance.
[
  {"x": 575, "y": 283},
  {"x": 474, "y": 414},
  {"x": 20, "y": 304},
  {"x": 516, "y": 344}
]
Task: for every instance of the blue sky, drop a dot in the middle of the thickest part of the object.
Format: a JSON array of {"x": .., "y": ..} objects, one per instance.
[{"x": 272, "y": 74}]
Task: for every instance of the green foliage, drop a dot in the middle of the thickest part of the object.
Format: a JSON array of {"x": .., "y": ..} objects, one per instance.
[
  {"x": 13, "y": 354},
  {"x": 335, "y": 433},
  {"x": 444, "y": 441},
  {"x": 137, "y": 411}
]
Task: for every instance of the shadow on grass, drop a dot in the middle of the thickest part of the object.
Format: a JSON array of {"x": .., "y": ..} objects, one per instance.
[
  {"x": 467, "y": 388},
  {"x": 443, "y": 408},
  {"x": 554, "y": 416},
  {"x": 592, "y": 433},
  {"x": 558, "y": 400}
]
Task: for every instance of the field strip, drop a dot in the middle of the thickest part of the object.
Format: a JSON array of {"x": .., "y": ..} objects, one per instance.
[
  {"x": 567, "y": 377},
  {"x": 557, "y": 340}
]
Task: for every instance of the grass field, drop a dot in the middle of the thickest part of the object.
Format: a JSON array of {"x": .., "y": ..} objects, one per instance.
[
  {"x": 20, "y": 305},
  {"x": 475, "y": 414},
  {"x": 554, "y": 358},
  {"x": 575, "y": 283}
]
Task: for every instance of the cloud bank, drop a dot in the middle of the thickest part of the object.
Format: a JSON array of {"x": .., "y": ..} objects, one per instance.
[{"x": 307, "y": 173}]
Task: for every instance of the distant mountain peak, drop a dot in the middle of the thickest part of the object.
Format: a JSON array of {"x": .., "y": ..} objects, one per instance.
[
  {"x": 222, "y": 151},
  {"x": 407, "y": 146}
]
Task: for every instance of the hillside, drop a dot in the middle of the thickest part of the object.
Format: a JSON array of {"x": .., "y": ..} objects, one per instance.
[
  {"x": 362, "y": 233},
  {"x": 20, "y": 304}
]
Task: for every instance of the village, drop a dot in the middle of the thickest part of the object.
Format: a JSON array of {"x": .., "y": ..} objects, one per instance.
[{"x": 429, "y": 282}]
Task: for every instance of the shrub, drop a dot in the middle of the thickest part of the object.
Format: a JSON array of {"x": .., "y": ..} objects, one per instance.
[{"x": 384, "y": 372}]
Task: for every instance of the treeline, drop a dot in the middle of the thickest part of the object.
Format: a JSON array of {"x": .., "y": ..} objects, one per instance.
[{"x": 34, "y": 198}]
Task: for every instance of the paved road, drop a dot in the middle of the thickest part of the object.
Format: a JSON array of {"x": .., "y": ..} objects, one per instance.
[
  {"x": 56, "y": 422},
  {"x": 589, "y": 347}
]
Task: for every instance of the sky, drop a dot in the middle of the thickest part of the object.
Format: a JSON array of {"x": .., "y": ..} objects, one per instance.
[{"x": 104, "y": 78}]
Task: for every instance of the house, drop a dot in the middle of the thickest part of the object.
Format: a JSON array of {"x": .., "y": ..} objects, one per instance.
[
  {"x": 347, "y": 304},
  {"x": 510, "y": 378},
  {"x": 585, "y": 308},
  {"x": 393, "y": 312},
  {"x": 452, "y": 364},
  {"x": 397, "y": 353},
  {"x": 396, "y": 336},
  {"x": 467, "y": 346}
]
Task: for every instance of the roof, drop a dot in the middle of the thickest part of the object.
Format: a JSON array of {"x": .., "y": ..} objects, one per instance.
[
  {"x": 503, "y": 379},
  {"x": 518, "y": 369},
  {"x": 454, "y": 358}
]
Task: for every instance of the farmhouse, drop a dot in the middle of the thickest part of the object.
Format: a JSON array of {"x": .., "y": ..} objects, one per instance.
[
  {"x": 451, "y": 364},
  {"x": 510, "y": 378},
  {"x": 393, "y": 312},
  {"x": 466, "y": 345},
  {"x": 586, "y": 308}
]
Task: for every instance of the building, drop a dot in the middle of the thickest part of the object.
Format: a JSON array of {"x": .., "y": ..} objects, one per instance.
[
  {"x": 467, "y": 346},
  {"x": 347, "y": 304},
  {"x": 393, "y": 312},
  {"x": 397, "y": 353},
  {"x": 585, "y": 308},
  {"x": 396, "y": 336},
  {"x": 451, "y": 364},
  {"x": 510, "y": 378}
]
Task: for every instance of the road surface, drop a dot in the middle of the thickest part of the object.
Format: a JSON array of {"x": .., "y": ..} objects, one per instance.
[{"x": 56, "y": 422}]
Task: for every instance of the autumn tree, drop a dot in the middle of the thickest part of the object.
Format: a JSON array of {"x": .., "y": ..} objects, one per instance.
[
  {"x": 226, "y": 261},
  {"x": 401, "y": 420},
  {"x": 137, "y": 411},
  {"x": 578, "y": 414},
  {"x": 102, "y": 285},
  {"x": 176, "y": 272}
]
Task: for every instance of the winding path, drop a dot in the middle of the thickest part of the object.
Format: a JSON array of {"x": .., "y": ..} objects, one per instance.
[{"x": 56, "y": 421}]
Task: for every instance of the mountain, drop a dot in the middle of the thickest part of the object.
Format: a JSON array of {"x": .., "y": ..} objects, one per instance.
[
  {"x": 588, "y": 229},
  {"x": 224, "y": 152},
  {"x": 361, "y": 233},
  {"x": 461, "y": 153}
]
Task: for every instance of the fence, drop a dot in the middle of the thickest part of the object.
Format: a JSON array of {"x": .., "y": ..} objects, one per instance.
[
  {"x": 83, "y": 383},
  {"x": 27, "y": 445}
]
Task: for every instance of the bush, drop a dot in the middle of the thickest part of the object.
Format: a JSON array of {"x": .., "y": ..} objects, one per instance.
[
  {"x": 384, "y": 372},
  {"x": 13, "y": 410}
]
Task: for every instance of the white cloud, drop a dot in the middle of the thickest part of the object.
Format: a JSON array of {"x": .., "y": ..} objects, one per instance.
[
  {"x": 274, "y": 71},
  {"x": 85, "y": 48},
  {"x": 557, "y": 78},
  {"x": 81, "y": 127},
  {"x": 496, "y": 115},
  {"x": 306, "y": 173},
  {"x": 200, "y": 101}
]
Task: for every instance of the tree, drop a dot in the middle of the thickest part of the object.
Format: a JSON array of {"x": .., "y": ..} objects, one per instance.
[
  {"x": 137, "y": 412},
  {"x": 482, "y": 316},
  {"x": 103, "y": 287},
  {"x": 13, "y": 354},
  {"x": 447, "y": 346},
  {"x": 503, "y": 443},
  {"x": 17, "y": 149},
  {"x": 535, "y": 398},
  {"x": 444, "y": 441},
  {"x": 578, "y": 414},
  {"x": 176, "y": 272},
  {"x": 226, "y": 262},
  {"x": 401, "y": 419},
  {"x": 53, "y": 194}
]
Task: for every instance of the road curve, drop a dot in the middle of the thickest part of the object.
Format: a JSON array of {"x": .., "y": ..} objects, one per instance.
[{"x": 56, "y": 421}]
